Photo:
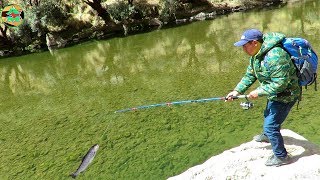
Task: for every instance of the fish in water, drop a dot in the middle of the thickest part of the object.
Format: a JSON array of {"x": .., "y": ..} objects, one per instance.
[{"x": 86, "y": 160}]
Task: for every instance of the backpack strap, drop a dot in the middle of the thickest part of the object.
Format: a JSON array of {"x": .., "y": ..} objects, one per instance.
[
  {"x": 300, "y": 97},
  {"x": 315, "y": 82}
]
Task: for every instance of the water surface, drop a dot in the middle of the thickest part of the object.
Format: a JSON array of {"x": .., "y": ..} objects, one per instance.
[{"x": 55, "y": 107}]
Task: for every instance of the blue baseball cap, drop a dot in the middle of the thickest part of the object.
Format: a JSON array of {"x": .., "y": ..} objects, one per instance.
[{"x": 249, "y": 35}]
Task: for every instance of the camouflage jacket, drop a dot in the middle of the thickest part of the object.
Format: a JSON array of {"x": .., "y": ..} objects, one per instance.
[{"x": 274, "y": 70}]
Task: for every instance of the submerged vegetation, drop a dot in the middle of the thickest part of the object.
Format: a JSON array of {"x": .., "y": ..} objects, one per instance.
[
  {"x": 54, "y": 107},
  {"x": 52, "y": 24}
]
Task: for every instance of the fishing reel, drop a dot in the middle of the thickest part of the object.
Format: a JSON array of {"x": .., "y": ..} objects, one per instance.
[{"x": 246, "y": 105}]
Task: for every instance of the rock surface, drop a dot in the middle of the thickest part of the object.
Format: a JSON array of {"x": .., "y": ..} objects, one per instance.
[{"x": 247, "y": 162}]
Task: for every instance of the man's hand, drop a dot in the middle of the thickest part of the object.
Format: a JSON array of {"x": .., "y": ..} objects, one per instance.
[
  {"x": 253, "y": 94},
  {"x": 231, "y": 94}
]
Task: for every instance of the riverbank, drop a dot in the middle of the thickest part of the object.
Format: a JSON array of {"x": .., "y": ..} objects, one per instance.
[
  {"x": 144, "y": 16},
  {"x": 247, "y": 162}
]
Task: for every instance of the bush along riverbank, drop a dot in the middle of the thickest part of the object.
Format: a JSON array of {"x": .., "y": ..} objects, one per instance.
[{"x": 51, "y": 24}]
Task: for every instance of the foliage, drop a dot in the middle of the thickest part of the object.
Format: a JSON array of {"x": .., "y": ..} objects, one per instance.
[
  {"x": 23, "y": 33},
  {"x": 168, "y": 9},
  {"x": 4, "y": 3},
  {"x": 121, "y": 10},
  {"x": 145, "y": 9},
  {"x": 49, "y": 13},
  {"x": 3, "y": 29},
  {"x": 39, "y": 19}
]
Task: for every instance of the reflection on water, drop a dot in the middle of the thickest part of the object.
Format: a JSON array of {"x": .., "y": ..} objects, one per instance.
[{"x": 202, "y": 47}]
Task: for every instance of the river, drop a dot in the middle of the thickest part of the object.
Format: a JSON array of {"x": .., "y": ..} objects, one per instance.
[{"x": 54, "y": 107}]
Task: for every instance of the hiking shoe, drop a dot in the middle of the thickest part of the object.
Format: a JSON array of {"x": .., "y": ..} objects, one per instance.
[
  {"x": 278, "y": 161},
  {"x": 261, "y": 138}
]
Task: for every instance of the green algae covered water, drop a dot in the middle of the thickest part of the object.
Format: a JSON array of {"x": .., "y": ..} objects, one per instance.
[{"x": 55, "y": 107}]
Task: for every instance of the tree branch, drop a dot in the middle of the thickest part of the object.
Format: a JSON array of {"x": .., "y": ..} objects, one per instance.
[
  {"x": 4, "y": 32},
  {"x": 102, "y": 12}
]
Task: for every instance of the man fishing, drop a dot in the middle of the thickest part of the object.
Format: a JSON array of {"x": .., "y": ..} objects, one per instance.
[{"x": 276, "y": 73}]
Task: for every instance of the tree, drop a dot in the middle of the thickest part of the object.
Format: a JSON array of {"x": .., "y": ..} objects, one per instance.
[
  {"x": 33, "y": 2},
  {"x": 130, "y": 2},
  {"x": 3, "y": 32},
  {"x": 4, "y": 39},
  {"x": 102, "y": 12}
]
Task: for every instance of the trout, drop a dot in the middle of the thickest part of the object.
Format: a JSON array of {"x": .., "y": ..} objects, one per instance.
[{"x": 86, "y": 160}]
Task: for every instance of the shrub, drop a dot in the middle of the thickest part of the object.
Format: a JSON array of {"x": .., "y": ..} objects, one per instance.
[
  {"x": 121, "y": 10},
  {"x": 168, "y": 9},
  {"x": 49, "y": 13}
]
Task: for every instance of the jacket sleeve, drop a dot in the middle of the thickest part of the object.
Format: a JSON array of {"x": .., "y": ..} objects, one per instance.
[
  {"x": 247, "y": 80},
  {"x": 279, "y": 64}
]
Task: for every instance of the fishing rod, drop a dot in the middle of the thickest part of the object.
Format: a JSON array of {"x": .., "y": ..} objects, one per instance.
[{"x": 245, "y": 105}]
